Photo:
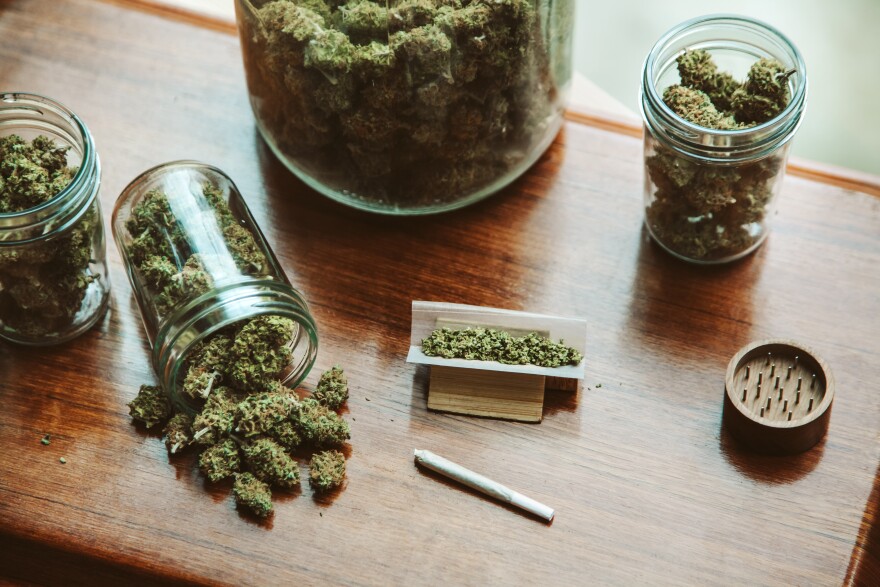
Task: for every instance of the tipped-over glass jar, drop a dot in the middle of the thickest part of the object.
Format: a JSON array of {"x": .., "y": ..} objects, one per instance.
[
  {"x": 407, "y": 106},
  {"x": 200, "y": 270},
  {"x": 53, "y": 269},
  {"x": 710, "y": 194}
]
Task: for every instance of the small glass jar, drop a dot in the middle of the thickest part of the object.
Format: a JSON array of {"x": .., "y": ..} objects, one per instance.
[
  {"x": 407, "y": 106},
  {"x": 710, "y": 194},
  {"x": 198, "y": 264},
  {"x": 53, "y": 261}
]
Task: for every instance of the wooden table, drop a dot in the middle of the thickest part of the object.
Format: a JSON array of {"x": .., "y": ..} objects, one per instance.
[{"x": 648, "y": 486}]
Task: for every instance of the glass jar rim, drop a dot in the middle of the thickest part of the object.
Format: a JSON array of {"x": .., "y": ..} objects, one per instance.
[
  {"x": 89, "y": 167},
  {"x": 255, "y": 298},
  {"x": 774, "y": 132}
]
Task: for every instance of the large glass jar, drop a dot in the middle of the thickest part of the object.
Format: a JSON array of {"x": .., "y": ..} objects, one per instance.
[
  {"x": 200, "y": 267},
  {"x": 407, "y": 106},
  {"x": 53, "y": 267},
  {"x": 710, "y": 194}
]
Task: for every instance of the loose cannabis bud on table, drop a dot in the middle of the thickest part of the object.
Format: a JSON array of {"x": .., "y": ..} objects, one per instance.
[
  {"x": 321, "y": 426},
  {"x": 411, "y": 103},
  {"x": 151, "y": 406},
  {"x": 488, "y": 344},
  {"x": 332, "y": 390},
  {"x": 216, "y": 419},
  {"x": 326, "y": 470},
  {"x": 240, "y": 428},
  {"x": 271, "y": 464},
  {"x": 42, "y": 284},
  {"x": 711, "y": 211},
  {"x": 221, "y": 460},
  {"x": 178, "y": 432},
  {"x": 252, "y": 494}
]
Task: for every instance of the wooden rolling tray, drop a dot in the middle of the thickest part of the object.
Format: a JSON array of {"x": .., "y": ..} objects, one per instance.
[{"x": 648, "y": 488}]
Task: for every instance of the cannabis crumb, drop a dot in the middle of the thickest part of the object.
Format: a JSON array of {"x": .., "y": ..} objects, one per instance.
[
  {"x": 598, "y": 385},
  {"x": 62, "y": 460},
  {"x": 45, "y": 440},
  {"x": 488, "y": 344},
  {"x": 247, "y": 434}
]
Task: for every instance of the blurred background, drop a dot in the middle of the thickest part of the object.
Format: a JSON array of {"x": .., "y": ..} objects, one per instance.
[{"x": 840, "y": 42}]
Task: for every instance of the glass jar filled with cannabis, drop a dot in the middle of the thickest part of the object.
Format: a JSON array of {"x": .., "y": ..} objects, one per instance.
[
  {"x": 53, "y": 267},
  {"x": 407, "y": 106},
  {"x": 209, "y": 287},
  {"x": 721, "y": 98}
]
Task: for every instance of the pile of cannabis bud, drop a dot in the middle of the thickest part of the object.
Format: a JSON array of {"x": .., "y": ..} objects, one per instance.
[
  {"x": 488, "y": 344},
  {"x": 232, "y": 405},
  {"x": 709, "y": 211},
  {"x": 42, "y": 284},
  {"x": 249, "y": 428},
  {"x": 410, "y": 103}
]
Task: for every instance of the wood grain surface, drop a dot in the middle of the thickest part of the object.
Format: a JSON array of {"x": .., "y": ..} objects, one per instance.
[{"x": 648, "y": 487}]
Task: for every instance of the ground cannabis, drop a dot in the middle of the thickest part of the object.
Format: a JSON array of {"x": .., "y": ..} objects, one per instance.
[
  {"x": 411, "y": 103},
  {"x": 45, "y": 440},
  {"x": 244, "y": 429},
  {"x": 326, "y": 470},
  {"x": 709, "y": 212},
  {"x": 43, "y": 284},
  {"x": 488, "y": 344}
]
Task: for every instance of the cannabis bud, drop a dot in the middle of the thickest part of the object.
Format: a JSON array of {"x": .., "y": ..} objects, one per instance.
[
  {"x": 696, "y": 106},
  {"x": 270, "y": 463},
  {"x": 150, "y": 406},
  {"x": 217, "y": 417},
  {"x": 252, "y": 494},
  {"x": 326, "y": 470},
  {"x": 765, "y": 93},
  {"x": 321, "y": 426},
  {"x": 698, "y": 72},
  {"x": 178, "y": 432},
  {"x": 220, "y": 460},
  {"x": 260, "y": 352},
  {"x": 262, "y": 412},
  {"x": 332, "y": 389}
]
